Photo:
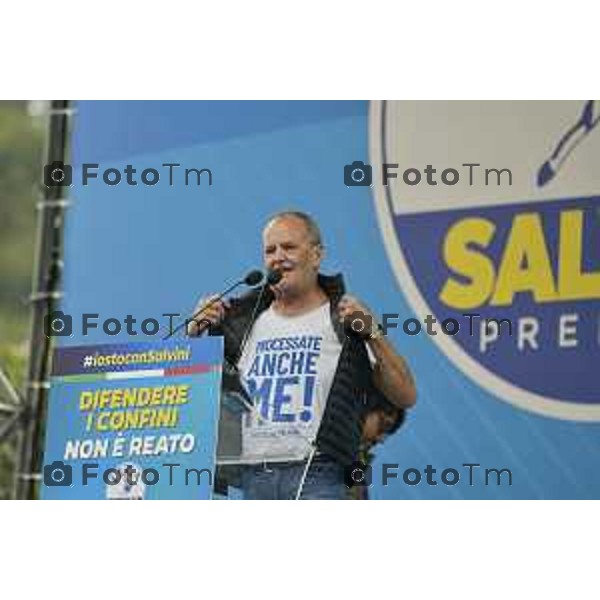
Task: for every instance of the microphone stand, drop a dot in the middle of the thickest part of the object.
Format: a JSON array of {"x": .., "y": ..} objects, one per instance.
[{"x": 207, "y": 305}]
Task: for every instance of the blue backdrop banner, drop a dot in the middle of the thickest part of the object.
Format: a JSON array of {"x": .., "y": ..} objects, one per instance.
[{"x": 431, "y": 210}]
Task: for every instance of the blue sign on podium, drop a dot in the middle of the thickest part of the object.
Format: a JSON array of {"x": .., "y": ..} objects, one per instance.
[{"x": 135, "y": 421}]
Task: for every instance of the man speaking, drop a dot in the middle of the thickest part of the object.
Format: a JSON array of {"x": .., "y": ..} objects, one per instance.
[{"x": 313, "y": 361}]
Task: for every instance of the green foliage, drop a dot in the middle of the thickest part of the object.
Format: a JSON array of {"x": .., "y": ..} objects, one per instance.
[{"x": 20, "y": 168}]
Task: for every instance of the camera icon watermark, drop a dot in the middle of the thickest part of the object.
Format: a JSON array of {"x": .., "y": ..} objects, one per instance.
[
  {"x": 58, "y": 174},
  {"x": 358, "y": 174},
  {"x": 57, "y": 323},
  {"x": 358, "y": 474},
  {"x": 358, "y": 324},
  {"x": 57, "y": 474}
]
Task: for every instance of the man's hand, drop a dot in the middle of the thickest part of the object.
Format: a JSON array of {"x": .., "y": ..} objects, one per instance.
[{"x": 212, "y": 315}]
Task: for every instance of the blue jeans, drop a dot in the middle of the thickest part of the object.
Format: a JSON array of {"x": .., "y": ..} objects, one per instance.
[{"x": 280, "y": 481}]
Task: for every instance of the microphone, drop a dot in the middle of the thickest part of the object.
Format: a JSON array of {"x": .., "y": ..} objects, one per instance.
[
  {"x": 274, "y": 277},
  {"x": 254, "y": 278},
  {"x": 251, "y": 279}
]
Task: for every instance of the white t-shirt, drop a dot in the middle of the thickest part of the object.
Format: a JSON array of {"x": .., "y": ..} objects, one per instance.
[{"x": 288, "y": 367}]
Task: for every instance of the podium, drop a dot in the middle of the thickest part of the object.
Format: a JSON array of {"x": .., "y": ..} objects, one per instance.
[{"x": 144, "y": 406}]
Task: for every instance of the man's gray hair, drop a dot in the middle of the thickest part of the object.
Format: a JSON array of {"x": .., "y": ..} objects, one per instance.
[{"x": 311, "y": 225}]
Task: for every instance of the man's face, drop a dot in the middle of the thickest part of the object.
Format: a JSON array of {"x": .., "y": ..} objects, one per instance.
[{"x": 288, "y": 248}]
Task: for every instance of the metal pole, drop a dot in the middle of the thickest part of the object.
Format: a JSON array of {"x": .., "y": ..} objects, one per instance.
[{"x": 46, "y": 292}]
